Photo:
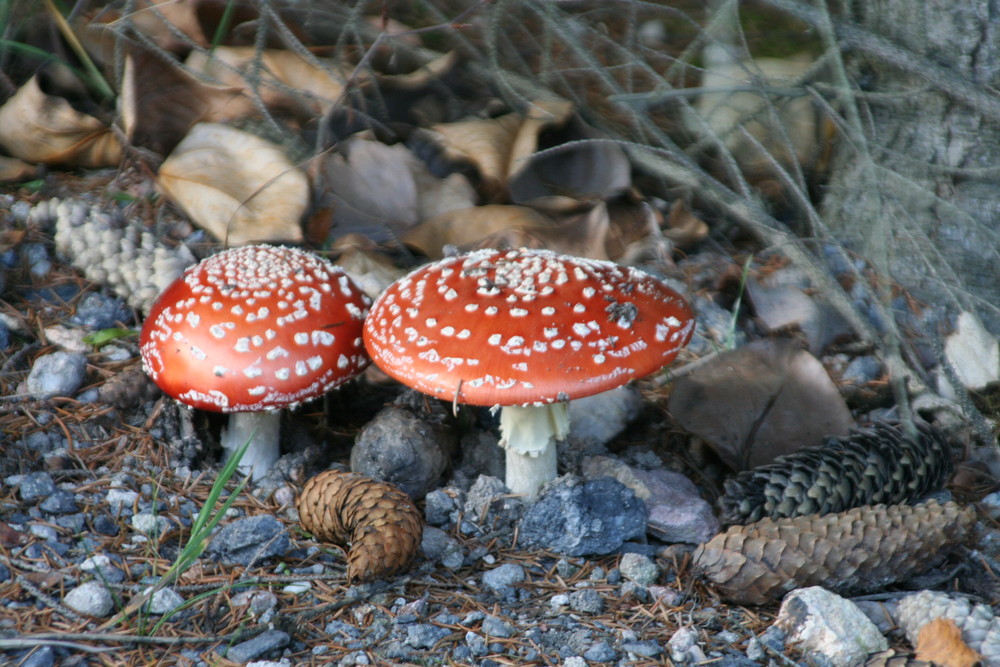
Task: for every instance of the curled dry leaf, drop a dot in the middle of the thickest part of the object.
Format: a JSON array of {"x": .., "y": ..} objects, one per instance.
[
  {"x": 382, "y": 191},
  {"x": 37, "y": 127},
  {"x": 581, "y": 233},
  {"x": 282, "y": 79},
  {"x": 861, "y": 550},
  {"x": 940, "y": 642},
  {"x": 237, "y": 186},
  {"x": 13, "y": 170},
  {"x": 380, "y": 523},
  {"x": 684, "y": 228},
  {"x": 160, "y": 102},
  {"x": 371, "y": 269},
  {"x": 760, "y": 401}
]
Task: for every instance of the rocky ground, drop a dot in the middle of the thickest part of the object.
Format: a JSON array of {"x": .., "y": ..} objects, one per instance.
[{"x": 103, "y": 477}]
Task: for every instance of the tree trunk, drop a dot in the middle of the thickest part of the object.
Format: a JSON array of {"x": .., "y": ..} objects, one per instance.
[{"x": 917, "y": 188}]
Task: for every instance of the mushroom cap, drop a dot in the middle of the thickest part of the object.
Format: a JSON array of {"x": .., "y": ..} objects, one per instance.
[
  {"x": 255, "y": 328},
  {"x": 524, "y": 327}
]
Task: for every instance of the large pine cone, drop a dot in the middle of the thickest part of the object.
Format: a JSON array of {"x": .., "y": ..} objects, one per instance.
[
  {"x": 863, "y": 549},
  {"x": 380, "y": 523},
  {"x": 980, "y": 627},
  {"x": 871, "y": 466}
]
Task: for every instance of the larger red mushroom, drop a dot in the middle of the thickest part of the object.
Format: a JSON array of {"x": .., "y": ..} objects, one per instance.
[
  {"x": 527, "y": 330},
  {"x": 250, "y": 331}
]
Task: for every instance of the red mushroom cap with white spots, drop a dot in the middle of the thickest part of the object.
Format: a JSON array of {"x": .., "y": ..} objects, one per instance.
[
  {"x": 255, "y": 328},
  {"x": 524, "y": 327}
]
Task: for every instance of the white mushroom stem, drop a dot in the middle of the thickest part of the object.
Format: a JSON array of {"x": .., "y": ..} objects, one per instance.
[
  {"x": 529, "y": 434},
  {"x": 261, "y": 429}
]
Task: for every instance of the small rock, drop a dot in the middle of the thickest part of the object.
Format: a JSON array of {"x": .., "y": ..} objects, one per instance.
[
  {"x": 640, "y": 569},
  {"x": 250, "y": 540},
  {"x": 574, "y": 661},
  {"x": 90, "y": 599},
  {"x": 148, "y": 523},
  {"x": 97, "y": 311},
  {"x": 596, "y": 420},
  {"x": 490, "y": 504},
  {"x": 163, "y": 601},
  {"x": 399, "y": 447},
  {"x": 677, "y": 512},
  {"x": 265, "y": 642},
  {"x": 42, "y": 656},
  {"x": 558, "y": 601},
  {"x": 818, "y": 621},
  {"x": 587, "y": 601},
  {"x": 43, "y": 531},
  {"x": 56, "y": 374},
  {"x": 121, "y": 501},
  {"x": 102, "y": 567},
  {"x": 36, "y": 485},
  {"x": 600, "y": 652},
  {"x": 494, "y": 626},
  {"x": 440, "y": 504},
  {"x": 425, "y": 635},
  {"x": 476, "y": 643},
  {"x": 60, "y": 502},
  {"x": 438, "y": 545},
  {"x": 576, "y": 517},
  {"x": 503, "y": 577},
  {"x": 647, "y": 649}
]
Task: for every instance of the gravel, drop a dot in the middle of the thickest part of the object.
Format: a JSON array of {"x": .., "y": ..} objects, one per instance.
[{"x": 56, "y": 374}]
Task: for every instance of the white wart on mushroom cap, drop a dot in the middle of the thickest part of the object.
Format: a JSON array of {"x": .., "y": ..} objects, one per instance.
[
  {"x": 255, "y": 329},
  {"x": 529, "y": 330},
  {"x": 525, "y": 327}
]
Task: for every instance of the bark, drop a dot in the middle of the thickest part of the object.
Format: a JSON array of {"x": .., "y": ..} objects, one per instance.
[{"x": 918, "y": 193}]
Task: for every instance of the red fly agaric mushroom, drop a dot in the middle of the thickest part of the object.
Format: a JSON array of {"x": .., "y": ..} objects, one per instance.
[
  {"x": 527, "y": 330},
  {"x": 250, "y": 331}
]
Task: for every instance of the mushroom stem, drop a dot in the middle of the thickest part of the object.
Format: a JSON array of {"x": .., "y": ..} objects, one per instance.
[
  {"x": 529, "y": 434},
  {"x": 262, "y": 429}
]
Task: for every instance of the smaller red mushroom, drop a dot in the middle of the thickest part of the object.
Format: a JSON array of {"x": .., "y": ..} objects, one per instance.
[
  {"x": 250, "y": 331},
  {"x": 527, "y": 330}
]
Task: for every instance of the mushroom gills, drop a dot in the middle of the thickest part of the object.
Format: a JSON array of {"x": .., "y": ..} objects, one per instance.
[
  {"x": 262, "y": 429},
  {"x": 529, "y": 434}
]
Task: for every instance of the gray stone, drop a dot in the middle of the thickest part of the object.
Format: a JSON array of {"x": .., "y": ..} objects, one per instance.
[
  {"x": 587, "y": 601},
  {"x": 399, "y": 447},
  {"x": 600, "y": 652},
  {"x": 500, "y": 578},
  {"x": 683, "y": 645},
  {"x": 490, "y": 504},
  {"x": 640, "y": 569},
  {"x": 481, "y": 455},
  {"x": 476, "y": 643},
  {"x": 42, "y": 656},
  {"x": 441, "y": 504},
  {"x": 249, "y": 540},
  {"x": 579, "y": 518},
  {"x": 36, "y": 485},
  {"x": 60, "y": 502},
  {"x": 677, "y": 512},
  {"x": 438, "y": 545},
  {"x": 820, "y": 622},
  {"x": 265, "y": 642},
  {"x": 97, "y": 311},
  {"x": 425, "y": 635},
  {"x": 647, "y": 648},
  {"x": 596, "y": 420},
  {"x": 91, "y": 598},
  {"x": 148, "y": 523},
  {"x": 103, "y": 568},
  {"x": 494, "y": 626},
  {"x": 56, "y": 374}
]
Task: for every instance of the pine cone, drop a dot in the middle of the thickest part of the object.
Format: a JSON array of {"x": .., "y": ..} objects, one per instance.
[
  {"x": 862, "y": 549},
  {"x": 380, "y": 523},
  {"x": 980, "y": 627},
  {"x": 109, "y": 250},
  {"x": 871, "y": 466}
]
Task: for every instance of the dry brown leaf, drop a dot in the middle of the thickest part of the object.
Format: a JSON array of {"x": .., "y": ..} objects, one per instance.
[
  {"x": 160, "y": 103},
  {"x": 760, "y": 401},
  {"x": 237, "y": 186},
  {"x": 468, "y": 227},
  {"x": 940, "y": 642},
  {"x": 370, "y": 268},
  {"x": 684, "y": 228},
  {"x": 382, "y": 191},
  {"x": 498, "y": 147},
  {"x": 44, "y": 128},
  {"x": 13, "y": 170},
  {"x": 287, "y": 82}
]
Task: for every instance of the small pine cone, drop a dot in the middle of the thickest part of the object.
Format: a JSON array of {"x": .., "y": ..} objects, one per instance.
[
  {"x": 380, "y": 523},
  {"x": 860, "y": 550},
  {"x": 111, "y": 251},
  {"x": 877, "y": 465},
  {"x": 980, "y": 627}
]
